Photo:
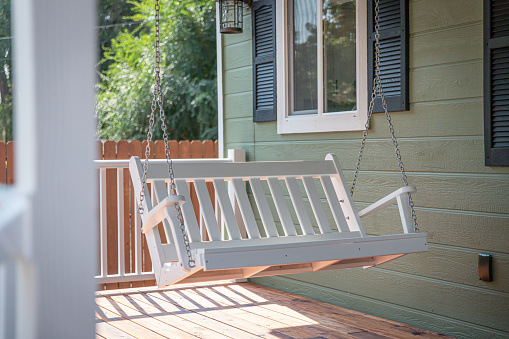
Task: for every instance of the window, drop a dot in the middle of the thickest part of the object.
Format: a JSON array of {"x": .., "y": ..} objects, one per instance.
[{"x": 321, "y": 53}]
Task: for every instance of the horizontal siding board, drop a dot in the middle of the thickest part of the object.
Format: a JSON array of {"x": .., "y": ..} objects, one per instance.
[
  {"x": 445, "y": 83},
  {"x": 238, "y": 55},
  {"x": 241, "y": 131},
  {"x": 462, "y": 43},
  {"x": 438, "y": 14},
  {"x": 238, "y": 105},
  {"x": 424, "y": 119},
  {"x": 433, "y": 155},
  {"x": 238, "y": 80},
  {"x": 453, "y": 265},
  {"x": 466, "y": 193}
]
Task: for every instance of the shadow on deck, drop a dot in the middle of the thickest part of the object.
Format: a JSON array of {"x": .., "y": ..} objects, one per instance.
[{"x": 234, "y": 310}]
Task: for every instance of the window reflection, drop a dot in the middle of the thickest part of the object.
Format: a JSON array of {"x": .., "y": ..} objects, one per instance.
[{"x": 339, "y": 55}]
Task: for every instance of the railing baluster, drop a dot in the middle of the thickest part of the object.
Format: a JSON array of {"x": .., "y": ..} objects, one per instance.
[
  {"x": 120, "y": 220},
  {"x": 137, "y": 241},
  {"x": 103, "y": 222}
]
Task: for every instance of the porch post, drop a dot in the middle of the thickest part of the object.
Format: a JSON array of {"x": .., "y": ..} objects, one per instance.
[{"x": 54, "y": 60}]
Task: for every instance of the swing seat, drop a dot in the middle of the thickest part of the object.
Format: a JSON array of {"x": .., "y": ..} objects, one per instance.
[{"x": 233, "y": 243}]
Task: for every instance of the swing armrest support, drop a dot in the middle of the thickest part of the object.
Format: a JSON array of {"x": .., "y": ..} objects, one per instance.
[
  {"x": 158, "y": 213},
  {"x": 387, "y": 201}
]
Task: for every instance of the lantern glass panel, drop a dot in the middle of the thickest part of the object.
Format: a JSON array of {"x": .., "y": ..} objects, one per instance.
[{"x": 231, "y": 16}]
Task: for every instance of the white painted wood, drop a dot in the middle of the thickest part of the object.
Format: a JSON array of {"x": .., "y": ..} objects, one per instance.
[
  {"x": 387, "y": 201},
  {"x": 263, "y": 207},
  {"x": 281, "y": 206},
  {"x": 245, "y": 208},
  {"x": 137, "y": 242},
  {"x": 226, "y": 209},
  {"x": 242, "y": 170},
  {"x": 124, "y": 163},
  {"x": 188, "y": 212},
  {"x": 313, "y": 251},
  {"x": 236, "y": 155},
  {"x": 117, "y": 278},
  {"x": 206, "y": 209},
  {"x": 220, "y": 99},
  {"x": 162, "y": 197},
  {"x": 405, "y": 212},
  {"x": 158, "y": 213},
  {"x": 291, "y": 253},
  {"x": 316, "y": 205},
  {"x": 298, "y": 204},
  {"x": 152, "y": 236},
  {"x": 302, "y": 239},
  {"x": 334, "y": 204},
  {"x": 103, "y": 222},
  {"x": 314, "y": 123},
  {"x": 342, "y": 191},
  {"x": 120, "y": 221},
  {"x": 54, "y": 119}
]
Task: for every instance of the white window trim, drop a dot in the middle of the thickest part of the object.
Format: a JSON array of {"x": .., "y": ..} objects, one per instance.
[{"x": 328, "y": 122}]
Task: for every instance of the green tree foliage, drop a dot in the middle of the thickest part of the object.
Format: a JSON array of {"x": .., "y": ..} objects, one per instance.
[
  {"x": 5, "y": 71},
  {"x": 188, "y": 73},
  {"x": 113, "y": 17}
]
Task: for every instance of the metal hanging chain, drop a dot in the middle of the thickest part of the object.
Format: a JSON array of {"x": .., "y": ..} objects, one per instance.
[
  {"x": 158, "y": 99},
  {"x": 377, "y": 85}
]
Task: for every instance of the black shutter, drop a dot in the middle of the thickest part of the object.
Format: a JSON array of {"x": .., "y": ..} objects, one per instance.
[
  {"x": 393, "y": 53},
  {"x": 264, "y": 60},
  {"x": 496, "y": 82}
]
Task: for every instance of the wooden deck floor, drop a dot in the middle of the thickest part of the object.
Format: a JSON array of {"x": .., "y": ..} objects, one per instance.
[{"x": 228, "y": 310}]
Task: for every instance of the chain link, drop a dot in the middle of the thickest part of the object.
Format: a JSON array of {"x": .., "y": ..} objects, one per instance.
[
  {"x": 377, "y": 85},
  {"x": 158, "y": 99}
]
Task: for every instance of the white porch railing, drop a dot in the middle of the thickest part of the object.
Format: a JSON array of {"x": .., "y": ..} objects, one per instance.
[{"x": 136, "y": 269}]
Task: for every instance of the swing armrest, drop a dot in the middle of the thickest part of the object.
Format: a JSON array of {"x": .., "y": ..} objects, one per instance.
[
  {"x": 387, "y": 201},
  {"x": 158, "y": 213}
]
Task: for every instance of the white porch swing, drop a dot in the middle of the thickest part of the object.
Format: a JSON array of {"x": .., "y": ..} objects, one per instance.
[{"x": 274, "y": 245}]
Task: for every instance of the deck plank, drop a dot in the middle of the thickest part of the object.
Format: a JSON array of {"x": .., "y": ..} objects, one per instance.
[
  {"x": 212, "y": 319},
  {"x": 336, "y": 313},
  {"x": 155, "y": 328},
  {"x": 193, "y": 328},
  {"x": 229, "y": 310},
  {"x": 106, "y": 330},
  {"x": 126, "y": 324}
]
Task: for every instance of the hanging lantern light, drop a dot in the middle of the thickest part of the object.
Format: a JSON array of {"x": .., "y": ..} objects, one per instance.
[{"x": 231, "y": 15}]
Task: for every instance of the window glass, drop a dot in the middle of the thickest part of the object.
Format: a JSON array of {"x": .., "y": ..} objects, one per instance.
[
  {"x": 338, "y": 17},
  {"x": 305, "y": 80}
]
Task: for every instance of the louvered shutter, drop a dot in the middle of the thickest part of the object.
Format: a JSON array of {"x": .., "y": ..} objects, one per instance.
[
  {"x": 264, "y": 60},
  {"x": 393, "y": 53},
  {"x": 496, "y": 82}
]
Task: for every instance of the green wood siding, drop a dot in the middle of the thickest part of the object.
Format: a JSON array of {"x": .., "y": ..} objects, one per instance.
[{"x": 461, "y": 204}]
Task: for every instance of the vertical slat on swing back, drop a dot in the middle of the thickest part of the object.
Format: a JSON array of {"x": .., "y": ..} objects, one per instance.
[
  {"x": 263, "y": 207},
  {"x": 206, "y": 209},
  {"x": 298, "y": 204},
  {"x": 188, "y": 212},
  {"x": 245, "y": 208},
  {"x": 281, "y": 206},
  {"x": 226, "y": 209},
  {"x": 316, "y": 204},
  {"x": 334, "y": 204}
]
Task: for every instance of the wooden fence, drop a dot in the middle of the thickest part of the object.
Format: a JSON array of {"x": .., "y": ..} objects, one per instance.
[
  {"x": 7, "y": 158},
  {"x": 116, "y": 201}
]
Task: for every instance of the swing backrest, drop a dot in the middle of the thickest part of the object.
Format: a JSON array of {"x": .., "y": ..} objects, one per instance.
[{"x": 287, "y": 187}]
